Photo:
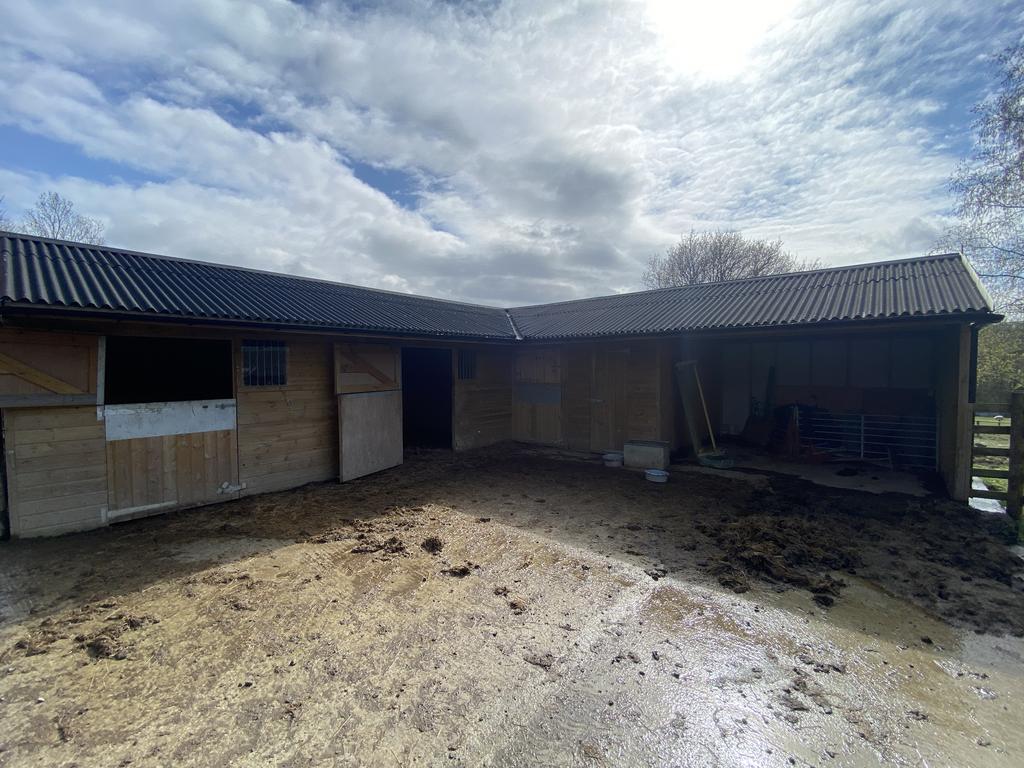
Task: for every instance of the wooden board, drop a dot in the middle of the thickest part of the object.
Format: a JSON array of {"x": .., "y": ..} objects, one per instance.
[
  {"x": 152, "y": 473},
  {"x": 56, "y": 470},
  {"x": 38, "y": 368},
  {"x": 483, "y": 406},
  {"x": 538, "y": 409},
  {"x": 643, "y": 392},
  {"x": 371, "y": 432},
  {"x": 366, "y": 368},
  {"x": 288, "y": 435},
  {"x": 576, "y": 404},
  {"x": 608, "y": 413}
]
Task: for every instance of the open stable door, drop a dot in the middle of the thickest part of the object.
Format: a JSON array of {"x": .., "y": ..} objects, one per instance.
[{"x": 367, "y": 381}]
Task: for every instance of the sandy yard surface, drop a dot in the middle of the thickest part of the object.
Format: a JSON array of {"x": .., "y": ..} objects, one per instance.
[{"x": 510, "y": 607}]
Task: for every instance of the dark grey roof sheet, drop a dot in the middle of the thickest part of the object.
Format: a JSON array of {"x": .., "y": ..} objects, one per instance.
[
  {"x": 62, "y": 274},
  {"x": 55, "y": 273},
  {"x": 919, "y": 287}
]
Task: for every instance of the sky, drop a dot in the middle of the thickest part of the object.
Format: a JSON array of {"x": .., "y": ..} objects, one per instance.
[{"x": 495, "y": 152}]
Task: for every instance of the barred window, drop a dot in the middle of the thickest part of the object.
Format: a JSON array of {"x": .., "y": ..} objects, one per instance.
[
  {"x": 264, "y": 363},
  {"x": 467, "y": 364}
]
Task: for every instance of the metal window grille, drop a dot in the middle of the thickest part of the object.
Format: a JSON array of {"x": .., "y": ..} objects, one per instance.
[
  {"x": 899, "y": 441},
  {"x": 264, "y": 363},
  {"x": 467, "y": 364}
]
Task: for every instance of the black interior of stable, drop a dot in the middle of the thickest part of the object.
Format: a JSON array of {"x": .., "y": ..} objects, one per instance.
[
  {"x": 157, "y": 370},
  {"x": 427, "y": 397}
]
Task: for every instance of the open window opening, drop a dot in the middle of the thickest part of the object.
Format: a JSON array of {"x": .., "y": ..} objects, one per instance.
[
  {"x": 427, "y": 397},
  {"x": 159, "y": 370}
]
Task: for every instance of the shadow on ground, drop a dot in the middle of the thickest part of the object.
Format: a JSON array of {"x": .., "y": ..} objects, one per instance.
[
  {"x": 514, "y": 606},
  {"x": 774, "y": 532}
]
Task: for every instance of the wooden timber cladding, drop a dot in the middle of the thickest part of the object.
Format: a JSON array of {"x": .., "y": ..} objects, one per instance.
[
  {"x": 56, "y": 467},
  {"x": 482, "y": 408},
  {"x": 594, "y": 397},
  {"x": 368, "y": 383},
  {"x": 538, "y": 413},
  {"x": 366, "y": 368},
  {"x": 288, "y": 435},
  {"x": 148, "y": 473},
  {"x": 38, "y": 368}
]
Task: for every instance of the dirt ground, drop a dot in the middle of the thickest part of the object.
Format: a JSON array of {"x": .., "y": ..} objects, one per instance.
[{"x": 512, "y": 607}]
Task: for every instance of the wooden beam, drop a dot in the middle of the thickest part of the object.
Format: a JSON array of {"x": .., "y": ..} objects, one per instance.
[
  {"x": 17, "y": 368},
  {"x": 963, "y": 417},
  {"x": 362, "y": 365},
  {"x": 979, "y": 494},
  {"x": 985, "y": 450},
  {"x": 985, "y": 472},
  {"x": 985, "y": 429},
  {"x": 42, "y": 400}
]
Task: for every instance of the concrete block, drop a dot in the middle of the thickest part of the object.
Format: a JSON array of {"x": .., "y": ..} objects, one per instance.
[{"x": 646, "y": 454}]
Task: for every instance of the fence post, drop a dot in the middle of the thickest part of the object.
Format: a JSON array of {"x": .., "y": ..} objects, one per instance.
[{"x": 1015, "y": 484}]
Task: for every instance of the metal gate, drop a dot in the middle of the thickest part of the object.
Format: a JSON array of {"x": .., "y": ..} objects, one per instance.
[{"x": 897, "y": 441}]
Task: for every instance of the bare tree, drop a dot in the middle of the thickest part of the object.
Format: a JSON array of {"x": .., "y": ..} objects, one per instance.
[
  {"x": 709, "y": 257},
  {"x": 5, "y": 223},
  {"x": 55, "y": 216},
  {"x": 990, "y": 189}
]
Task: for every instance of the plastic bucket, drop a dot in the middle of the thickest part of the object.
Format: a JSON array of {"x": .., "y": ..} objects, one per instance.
[
  {"x": 613, "y": 459},
  {"x": 656, "y": 475}
]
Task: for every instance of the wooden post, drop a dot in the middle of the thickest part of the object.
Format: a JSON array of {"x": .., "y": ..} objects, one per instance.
[
  {"x": 964, "y": 418},
  {"x": 1015, "y": 484}
]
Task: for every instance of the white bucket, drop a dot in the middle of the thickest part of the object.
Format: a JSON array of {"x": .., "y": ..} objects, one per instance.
[
  {"x": 656, "y": 475},
  {"x": 613, "y": 459}
]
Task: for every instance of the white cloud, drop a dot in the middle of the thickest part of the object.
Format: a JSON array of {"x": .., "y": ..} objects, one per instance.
[{"x": 554, "y": 148}]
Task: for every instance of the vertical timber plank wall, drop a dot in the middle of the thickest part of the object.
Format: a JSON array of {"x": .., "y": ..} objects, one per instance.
[
  {"x": 609, "y": 397},
  {"x": 170, "y": 470},
  {"x": 483, "y": 407},
  {"x": 538, "y": 409},
  {"x": 576, "y": 395},
  {"x": 56, "y": 470},
  {"x": 609, "y": 392},
  {"x": 643, "y": 392},
  {"x": 288, "y": 436}
]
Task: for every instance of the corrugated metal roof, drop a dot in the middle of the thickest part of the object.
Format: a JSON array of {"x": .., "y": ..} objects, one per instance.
[
  {"x": 919, "y": 287},
  {"x": 54, "y": 273}
]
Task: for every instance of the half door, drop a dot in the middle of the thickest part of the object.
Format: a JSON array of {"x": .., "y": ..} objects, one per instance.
[{"x": 368, "y": 385}]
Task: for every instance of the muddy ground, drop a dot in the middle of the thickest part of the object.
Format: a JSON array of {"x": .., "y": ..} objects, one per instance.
[{"x": 513, "y": 607}]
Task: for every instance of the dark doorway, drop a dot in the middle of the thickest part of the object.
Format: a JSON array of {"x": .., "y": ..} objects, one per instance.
[
  {"x": 427, "y": 397},
  {"x": 159, "y": 370}
]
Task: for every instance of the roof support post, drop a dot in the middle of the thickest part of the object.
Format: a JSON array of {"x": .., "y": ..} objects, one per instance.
[{"x": 964, "y": 418}]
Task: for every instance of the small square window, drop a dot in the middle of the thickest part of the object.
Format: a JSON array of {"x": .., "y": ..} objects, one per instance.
[
  {"x": 264, "y": 363},
  {"x": 467, "y": 364}
]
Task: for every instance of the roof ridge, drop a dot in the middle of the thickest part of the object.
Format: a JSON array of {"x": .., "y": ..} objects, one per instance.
[{"x": 512, "y": 322}]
